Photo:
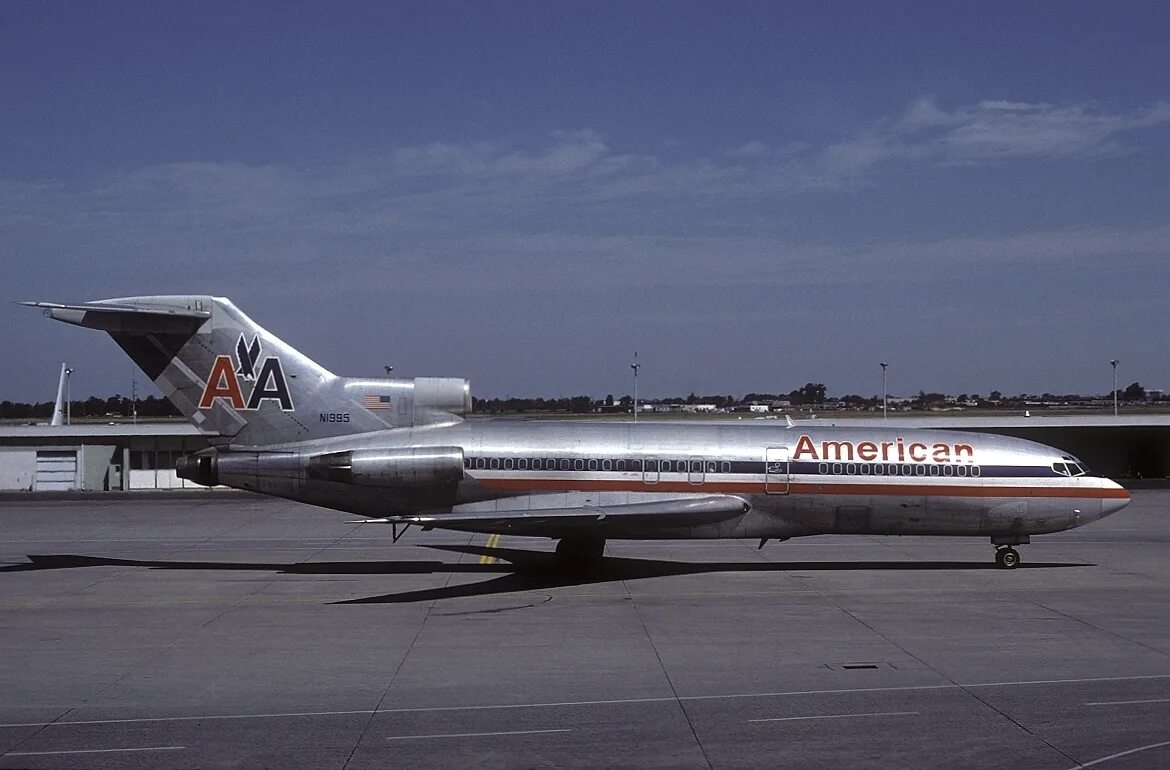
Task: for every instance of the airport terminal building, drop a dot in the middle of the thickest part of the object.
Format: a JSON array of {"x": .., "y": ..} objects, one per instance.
[{"x": 95, "y": 456}]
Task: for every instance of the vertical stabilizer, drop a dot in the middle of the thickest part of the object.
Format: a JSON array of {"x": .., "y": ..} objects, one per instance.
[{"x": 244, "y": 386}]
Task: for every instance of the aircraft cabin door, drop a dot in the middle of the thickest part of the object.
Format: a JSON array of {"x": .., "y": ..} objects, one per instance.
[{"x": 776, "y": 470}]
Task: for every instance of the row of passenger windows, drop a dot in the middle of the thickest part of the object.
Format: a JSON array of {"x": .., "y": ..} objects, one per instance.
[
  {"x": 594, "y": 464},
  {"x": 706, "y": 466},
  {"x": 895, "y": 469}
]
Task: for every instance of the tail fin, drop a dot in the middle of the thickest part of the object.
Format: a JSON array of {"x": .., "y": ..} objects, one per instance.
[{"x": 234, "y": 380}]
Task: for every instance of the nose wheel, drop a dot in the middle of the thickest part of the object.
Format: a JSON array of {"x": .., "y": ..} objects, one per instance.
[{"x": 1007, "y": 557}]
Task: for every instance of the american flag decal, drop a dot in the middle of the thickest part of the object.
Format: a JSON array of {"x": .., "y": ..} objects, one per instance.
[{"x": 376, "y": 402}]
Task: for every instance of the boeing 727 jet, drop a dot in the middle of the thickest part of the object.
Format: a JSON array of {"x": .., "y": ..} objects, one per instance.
[{"x": 400, "y": 452}]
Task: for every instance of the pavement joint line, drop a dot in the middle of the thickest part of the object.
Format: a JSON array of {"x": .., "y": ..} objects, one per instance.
[
  {"x": 609, "y": 702},
  {"x": 402, "y": 662},
  {"x": 1127, "y": 702},
  {"x": 1118, "y": 755},
  {"x": 476, "y": 735},
  {"x": 838, "y": 716},
  {"x": 90, "y": 751},
  {"x": 666, "y": 675}
]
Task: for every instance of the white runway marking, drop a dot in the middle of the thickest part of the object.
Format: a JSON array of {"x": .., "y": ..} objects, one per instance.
[
  {"x": 611, "y": 702},
  {"x": 1127, "y": 702},
  {"x": 90, "y": 751},
  {"x": 839, "y": 716},
  {"x": 1118, "y": 755},
  {"x": 474, "y": 735},
  {"x": 278, "y": 715}
]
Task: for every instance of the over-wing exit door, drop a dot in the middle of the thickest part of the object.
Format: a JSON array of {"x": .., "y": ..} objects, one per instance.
[{"x": 776, "y": 470}]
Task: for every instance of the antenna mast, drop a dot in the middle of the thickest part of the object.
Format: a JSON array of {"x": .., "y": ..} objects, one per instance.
[{"x": 635, "y": 366}]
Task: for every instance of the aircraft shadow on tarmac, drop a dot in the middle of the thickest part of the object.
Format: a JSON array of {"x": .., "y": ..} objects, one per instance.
[{"x": 515, "y": 570}]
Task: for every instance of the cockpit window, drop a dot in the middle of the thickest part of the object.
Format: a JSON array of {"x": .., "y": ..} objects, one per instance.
[{"x": 1073, "y": 467}]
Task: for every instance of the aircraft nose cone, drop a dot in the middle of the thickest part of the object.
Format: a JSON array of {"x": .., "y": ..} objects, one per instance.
[{"x": 1115, "y": 497}]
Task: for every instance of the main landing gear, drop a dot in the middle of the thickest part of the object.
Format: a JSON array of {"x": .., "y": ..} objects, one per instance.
[
  {"x": 580, "y": 553},
  {"x": 1007, "y": 557}
]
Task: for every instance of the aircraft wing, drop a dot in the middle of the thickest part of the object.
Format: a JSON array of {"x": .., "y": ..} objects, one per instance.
[{"x": 679, "y": 511}]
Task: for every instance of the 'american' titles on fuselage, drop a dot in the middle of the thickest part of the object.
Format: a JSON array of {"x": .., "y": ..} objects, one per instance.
[{"x": 898, "y": 450}]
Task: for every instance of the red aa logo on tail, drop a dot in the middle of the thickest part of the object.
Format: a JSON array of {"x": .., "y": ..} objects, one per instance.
[{"x": 268, "y": 384}]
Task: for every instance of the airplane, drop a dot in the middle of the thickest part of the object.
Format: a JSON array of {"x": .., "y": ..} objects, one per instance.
[{"x": 399, "y": 451}]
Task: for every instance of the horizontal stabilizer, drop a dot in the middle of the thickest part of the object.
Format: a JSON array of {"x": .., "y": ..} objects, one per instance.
[
  {"x": 674, "y": 511},
  {"x": 140, "y": 319}
]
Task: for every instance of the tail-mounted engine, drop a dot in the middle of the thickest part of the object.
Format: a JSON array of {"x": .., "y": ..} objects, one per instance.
[
  {"x": 409, "y": 467},
  {"x": 280, "y": 472}
]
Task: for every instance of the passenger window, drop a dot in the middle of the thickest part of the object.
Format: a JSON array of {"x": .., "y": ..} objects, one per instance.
[
  {"x": 836, "y": 469},
  {"x": 933, "y": 470},
  {"x": 948, "y": 470},
  {"x": 564, "y": 464},
  {"x": 494, "y": 463},
  {"x": 976, "y": 470},
  {"x": 578, "y": 465},
  {"x": 507, "y": 463},
  {"x": 851, "y": 469},
  {"x": 823, "y": 468},
  {"x": 711, "y": 466},
  {"x": 522, "y": 463},
  {"x": 620, "y": 465},
  {"x": 907, "y": 470},
  {"x": 920, "y": 470},
  {"x": 592, "y": 465},
  {"x": 725, "y": 467},
  {"x": 864, "y": 469},
  {"x": 479, "y": 463},
  {"x": 606, "y": 465}
]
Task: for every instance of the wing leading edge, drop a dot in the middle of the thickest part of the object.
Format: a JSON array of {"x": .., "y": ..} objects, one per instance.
[{"x": 674, "y": 512}]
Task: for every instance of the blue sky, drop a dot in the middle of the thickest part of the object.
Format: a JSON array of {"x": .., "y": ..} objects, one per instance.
[{"x": 751, "y": 195}]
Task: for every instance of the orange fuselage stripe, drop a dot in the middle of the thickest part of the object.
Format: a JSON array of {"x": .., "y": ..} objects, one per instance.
[{"x": 749, "y": 487}]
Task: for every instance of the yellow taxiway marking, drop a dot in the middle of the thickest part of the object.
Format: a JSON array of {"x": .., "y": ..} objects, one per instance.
[{"x": 493, "y": 541}]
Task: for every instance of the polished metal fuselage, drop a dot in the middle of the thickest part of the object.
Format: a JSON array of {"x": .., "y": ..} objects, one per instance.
[{"x": 799, "y": 480}]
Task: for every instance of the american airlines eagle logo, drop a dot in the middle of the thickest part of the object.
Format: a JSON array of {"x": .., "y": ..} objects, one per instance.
[{"x": 268, "y": 382}]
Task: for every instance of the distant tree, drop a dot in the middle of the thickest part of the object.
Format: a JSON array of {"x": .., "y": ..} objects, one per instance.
[
  {"x": 580, "y": 404},
  {"x": 609, "y": 400},
  {"x": 1134, "y": 392},
  {"x": 995, "y": 395}
]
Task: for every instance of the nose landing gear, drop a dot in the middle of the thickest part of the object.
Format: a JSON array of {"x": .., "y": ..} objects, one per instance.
[{"x": 1007, "y": 557}]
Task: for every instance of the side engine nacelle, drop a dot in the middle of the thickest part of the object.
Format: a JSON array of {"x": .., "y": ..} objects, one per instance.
[
  {"x": 283, "y": 472},
  {"x": 397, "y": 467}
]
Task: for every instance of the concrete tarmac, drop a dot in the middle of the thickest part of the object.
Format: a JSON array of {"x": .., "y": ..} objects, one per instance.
[{"x": 259, "y": 633}]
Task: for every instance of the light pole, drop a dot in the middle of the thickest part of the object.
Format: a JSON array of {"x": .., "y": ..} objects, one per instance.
[
  {"x": 1114, "y": 363},
  {"x": 68, "y": 397},
  {"x": 884, "y": 399},
  {"x": 635, "y": 366}
]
